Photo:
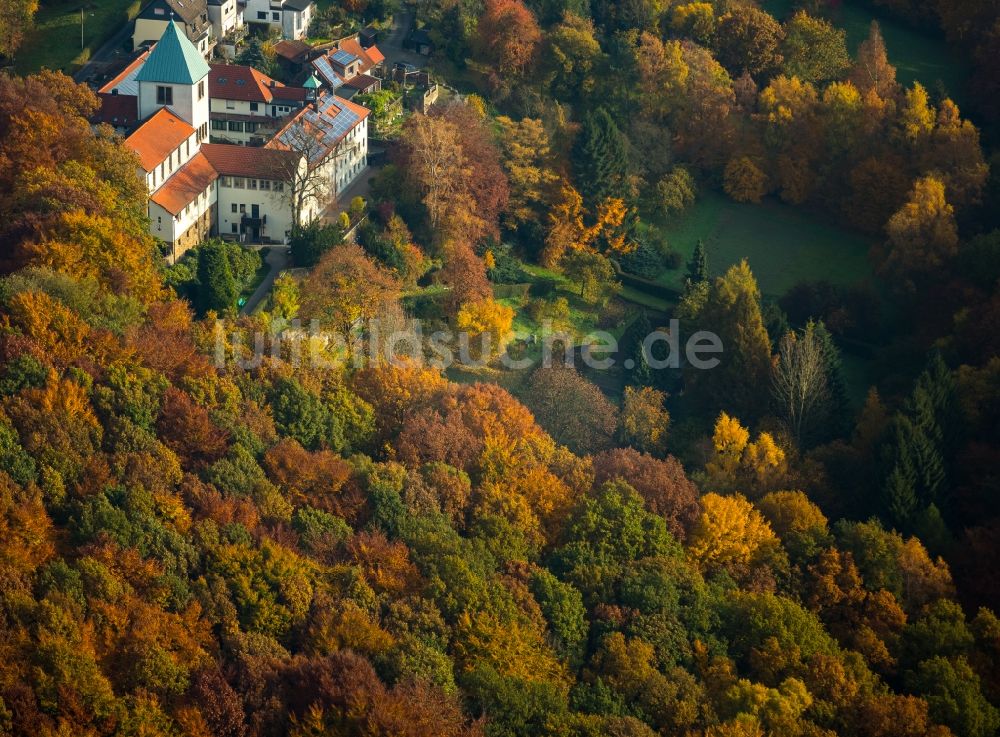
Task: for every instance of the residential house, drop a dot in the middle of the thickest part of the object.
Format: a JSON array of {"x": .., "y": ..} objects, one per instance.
[
  {"x": 351, "y": 69},
  {"x": 228, "y": 28},
  {"x": 197, "y": 188},
  {"x": 247, "y": 106},
  {"x": 190, "y": 15},
  {"x": 289, "y": 17},
  {"x": 332, "y": 133}
]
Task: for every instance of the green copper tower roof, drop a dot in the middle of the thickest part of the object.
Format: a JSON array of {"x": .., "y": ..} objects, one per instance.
[
  {"x": 312, "y": 83},
  {"x": 174, "y": 60}
]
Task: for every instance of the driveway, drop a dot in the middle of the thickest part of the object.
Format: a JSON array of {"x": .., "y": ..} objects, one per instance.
[
  {"x": 391, "y": 45},
  {"x": 276, "y": 257}
]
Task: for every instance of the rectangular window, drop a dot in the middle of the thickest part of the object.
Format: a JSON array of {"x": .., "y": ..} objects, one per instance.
[
  {"x": 251, "y": 184},
  {"x": 265, "y": 184},
  {"x": 224, "y": 181},
  {"x": 218, "y": 125},
  {"x": 201, "y": 90},
  {"x": 230, "y": 105},
  {"x": 164, "y": 95},
  {"x": 261, "y": 15},
  {"x": 234, "y": 207},
  {"x": 251, "y": 127},
  {"x": 187, "y": 148},
  {"x": 275, "y": 16},
  {"x": 235, "y": 228},
  {"x": 279, "y": 186},
  {"x": 253, "y": 106},
  {"x": 236, "y": 126},
  {"x": 243, "y": 209},
  {"x": 238, "y": 183}
]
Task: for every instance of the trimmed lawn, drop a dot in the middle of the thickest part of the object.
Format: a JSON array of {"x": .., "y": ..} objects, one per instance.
[
  {"x": 917, "y": 55},
  {"x": 55, "y": 40},
  {"x": 783, "y": 245}
]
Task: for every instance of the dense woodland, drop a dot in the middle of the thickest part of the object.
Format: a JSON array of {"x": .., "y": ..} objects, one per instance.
[{"x": 293, "y": 549}]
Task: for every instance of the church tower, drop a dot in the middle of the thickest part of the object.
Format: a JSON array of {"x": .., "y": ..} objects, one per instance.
[{"x": 175, "y": 75}]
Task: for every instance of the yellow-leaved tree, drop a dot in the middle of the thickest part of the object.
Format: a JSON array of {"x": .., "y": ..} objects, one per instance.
[
  {"x": 737, "y": 463},
  {"x": 486, "y": 325},
  {"x": 731, "y": 535}
]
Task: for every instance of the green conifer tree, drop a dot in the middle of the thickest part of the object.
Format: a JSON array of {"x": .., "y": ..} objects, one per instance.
[
  {"x": 217, "y": 287},
  {"x": 840, "y": 407},
  {"x": 698, "y": 265},
  {"x": 600, "y": 159}
]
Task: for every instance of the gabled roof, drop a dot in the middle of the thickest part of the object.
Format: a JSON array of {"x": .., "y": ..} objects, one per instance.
[
  {"x": 292, "y": 49},
  {"x": 298, "y": 4},
  {"x": 189, "y": 11},
  {"x": 361, "y": 82},
  {"x": 237, "y": 82},
  {"x": 248, "y": 161},
  {"x": 185, "y": 184},
  {"x": 323, "y": 126},
  {"x": 162, "y": 132},
  {"x": 369, "y": 57},
  {"x": 342, "y": 57},
  {"x": 174, "y": 60},
  {"x": 124, "y": 81}
]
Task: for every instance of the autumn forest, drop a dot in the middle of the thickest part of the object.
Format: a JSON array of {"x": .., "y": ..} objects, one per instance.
[{"x": 799, "y": 542}]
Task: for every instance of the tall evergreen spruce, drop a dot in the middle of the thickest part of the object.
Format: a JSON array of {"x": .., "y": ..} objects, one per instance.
[
  {"x": 218, "y": 290},
  {"x": 839, "y": 405},
  {"x": 698, "y": 265},
  {"x": 900, "y": 484},
  {"x": 934, "y": 405},
  {"x": 642, "y": 373},
  {"x": 600, "y": 159}
]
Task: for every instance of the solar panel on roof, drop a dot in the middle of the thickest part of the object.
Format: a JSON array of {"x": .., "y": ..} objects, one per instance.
[
  {"x": 322, "y": 65},
  {"x": 329, "y": 123},
  {"x": 343, "y": 57}
]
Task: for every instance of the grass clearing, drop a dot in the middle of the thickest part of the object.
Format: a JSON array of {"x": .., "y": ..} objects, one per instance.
[
  {"x": 917, "y": 55},
  {"x": 55, "y": 40},
  {"x": 783, "y": 245}
]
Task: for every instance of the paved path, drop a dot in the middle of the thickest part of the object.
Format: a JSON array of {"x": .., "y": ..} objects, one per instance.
[
  {"x": 276, "y": 258},
  {"x": 110, "y": 52}
]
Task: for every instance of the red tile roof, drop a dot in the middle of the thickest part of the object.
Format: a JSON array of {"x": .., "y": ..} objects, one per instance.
[
  {"x": 162, "y": 132},
  {"x": 235, "y": 82},
  {"x": 369, "y": 57},
  {"x": 323, "y": 126},
  {"x": 185, "y": 184},
  {"x": 121, "y": 111},
  {"x": 248, "y": 161}
]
